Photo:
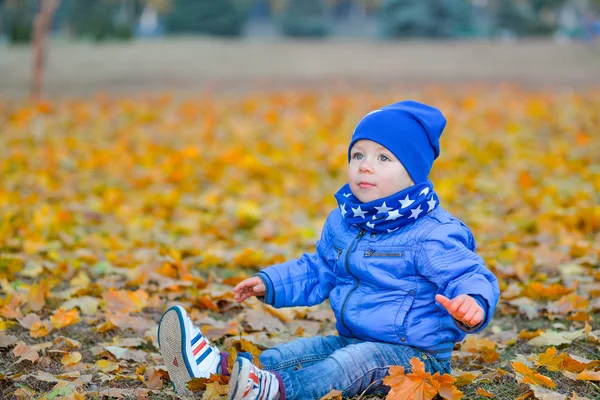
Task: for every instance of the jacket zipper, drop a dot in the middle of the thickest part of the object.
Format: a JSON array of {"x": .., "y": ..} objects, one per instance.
[
  {"x": 357, "y": 281},
  {"x": 372, "y": 253},
  {"x": 339, "y": 253}
]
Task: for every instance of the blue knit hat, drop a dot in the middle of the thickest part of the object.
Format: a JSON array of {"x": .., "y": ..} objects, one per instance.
[{"x": 409, "y": 129}]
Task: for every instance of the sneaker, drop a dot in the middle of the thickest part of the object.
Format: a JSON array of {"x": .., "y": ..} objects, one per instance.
[
  {"x": 248, "y": 382},
  {"x": 186, "y": 353}
]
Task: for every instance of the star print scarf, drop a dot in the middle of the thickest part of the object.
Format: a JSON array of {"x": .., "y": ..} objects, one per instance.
[{"x": 390, "y": 213}]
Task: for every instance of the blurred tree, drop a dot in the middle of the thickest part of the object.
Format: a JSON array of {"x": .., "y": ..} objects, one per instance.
[
  {"x": 431, "y": 18},
  {"x": 41, "y": 28},
  {"x": 102, "y": 19},
  {"x": 18, "y": 19},
  {"x": 222, "y": 17},
  {"x": 305, "y": 18}
]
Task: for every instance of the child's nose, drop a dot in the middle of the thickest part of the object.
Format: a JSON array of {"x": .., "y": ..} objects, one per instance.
[{"x": 365, "y": 166}]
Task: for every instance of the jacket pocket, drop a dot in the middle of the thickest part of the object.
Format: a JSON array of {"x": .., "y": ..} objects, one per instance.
[
  {"x": 374, "y": 253},
  {"x": 400, "y": 320}
]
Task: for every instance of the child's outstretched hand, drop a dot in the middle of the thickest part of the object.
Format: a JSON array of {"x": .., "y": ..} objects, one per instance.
[
  {"x": 463, "y": 308},
  {"x": 249, "y": 287}
]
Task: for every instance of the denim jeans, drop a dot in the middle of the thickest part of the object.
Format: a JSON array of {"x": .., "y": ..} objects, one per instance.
[{"x": 312, "y": 367}]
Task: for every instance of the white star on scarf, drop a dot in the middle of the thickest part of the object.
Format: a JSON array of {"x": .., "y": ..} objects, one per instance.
[
  {"x": 395, "y": 214},
  {"x": 431, "y": 203},
  {"x": 383, "y": 209},
  {"x": 406, "y": 202},
  {"x": 370, "y": 225},
  {"x": 393, "y": 230},
  {"x": 343, "y": 209},
  {"x": 346, "y": 195},
  {"x": 424, "y": 191},
  {"x": 358, "y": 212},
  {"x": 415, "y": 213}
]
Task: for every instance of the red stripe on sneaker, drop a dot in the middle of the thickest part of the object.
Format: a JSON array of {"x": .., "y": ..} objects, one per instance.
[
  {"x": 253, "y": 376},
  {"x": 197, "y": 349}
]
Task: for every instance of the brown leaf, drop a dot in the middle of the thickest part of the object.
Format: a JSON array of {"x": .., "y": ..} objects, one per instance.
[
  {"x": 258, "y": 321},
  {"x": 37, "y": 295},
  {"x": 25, "y": 352},
  {"x": 333, "y": 395},
  {"x": 28, "y": 320},
  {"x": 7, "y": 340}
]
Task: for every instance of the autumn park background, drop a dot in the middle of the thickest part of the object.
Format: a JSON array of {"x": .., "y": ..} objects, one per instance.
[{"x": 158, "y": 152}]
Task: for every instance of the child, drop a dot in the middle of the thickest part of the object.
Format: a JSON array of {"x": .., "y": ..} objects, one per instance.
[{"x": 400, "y": 272}]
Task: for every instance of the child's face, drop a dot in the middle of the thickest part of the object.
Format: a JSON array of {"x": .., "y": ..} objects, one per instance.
[{"x": 374, "y": 172}]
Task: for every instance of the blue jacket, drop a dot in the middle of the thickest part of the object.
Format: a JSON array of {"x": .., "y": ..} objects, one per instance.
[{"x": 382, "y": 287}]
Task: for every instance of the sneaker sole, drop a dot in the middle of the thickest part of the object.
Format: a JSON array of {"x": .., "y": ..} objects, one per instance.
[
  {"x": 171, "y": 341},
  {"x": 237, "y": 374}
]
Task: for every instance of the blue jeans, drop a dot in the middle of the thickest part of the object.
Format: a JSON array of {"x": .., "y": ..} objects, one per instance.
[{"x": 312, "y": 367}]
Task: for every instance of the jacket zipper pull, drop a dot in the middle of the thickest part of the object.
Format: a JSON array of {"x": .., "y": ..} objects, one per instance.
[{"x": 360, "y": 235}]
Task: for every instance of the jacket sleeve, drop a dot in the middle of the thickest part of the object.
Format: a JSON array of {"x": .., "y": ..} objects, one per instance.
[
  {"x": 303, "y": 282},
  {"x": 447, "y": 258}
]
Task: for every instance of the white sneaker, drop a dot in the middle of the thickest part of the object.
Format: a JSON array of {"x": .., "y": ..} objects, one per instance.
[
  {"x": 248, "y": 382},
  {"x": 186, "y": 353}
]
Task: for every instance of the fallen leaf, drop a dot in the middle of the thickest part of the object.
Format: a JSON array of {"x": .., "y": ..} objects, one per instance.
[
  {"x": 40, "y": 329},
  {"x": 589, "y": 375},
  {"x": 25, "y": 352},
  {"x": 7, "y": 340},
  {"x": 333, "y": 395},
  {"x": 28, "y": 320},
  {"x": 527, "y": 375},
  {"x": 62, "y": 318},
  {"x": 215, "y": 391},
  {"x": 485, "y": 393},
  {"x": 107, "y": 366},
  {"x": 88, "y": 305},
  {"x": 124, "y": 301},
  {"x": 71, "y": 358}
]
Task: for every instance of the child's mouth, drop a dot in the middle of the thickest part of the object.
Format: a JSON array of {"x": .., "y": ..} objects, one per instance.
[{"x": 364, "y": 185}]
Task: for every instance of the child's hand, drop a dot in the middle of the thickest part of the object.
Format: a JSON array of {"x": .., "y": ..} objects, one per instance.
[
  {"x": 463, "y": 308},
  {"x": 249, "y": 287}
]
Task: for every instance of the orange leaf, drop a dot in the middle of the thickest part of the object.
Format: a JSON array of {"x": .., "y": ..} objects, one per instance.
[
  {"x": 530, "y": 335},
  {"x": 484, "y": 393},
  {"x": 62, "y": 318},
  {"x": 530, "y": 376},
  {"x": 589, "y": 375},
  {"x": 417, "y": 385},
  {"x": 125, "y": 301},
  {"x": 333, "y": 395},
  {"x": 40, "y": 329}
]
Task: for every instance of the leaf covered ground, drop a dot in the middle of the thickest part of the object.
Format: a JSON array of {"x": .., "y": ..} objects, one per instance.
[{"x": 111, "y": 210}]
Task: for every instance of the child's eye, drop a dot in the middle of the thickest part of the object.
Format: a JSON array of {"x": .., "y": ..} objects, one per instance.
[
  {"x": 357, "y": 156},
  {"x": 384, "y": 158}
]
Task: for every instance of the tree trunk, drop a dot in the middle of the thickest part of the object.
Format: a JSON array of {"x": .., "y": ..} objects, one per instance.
[{"x": 41, "y": 27}]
